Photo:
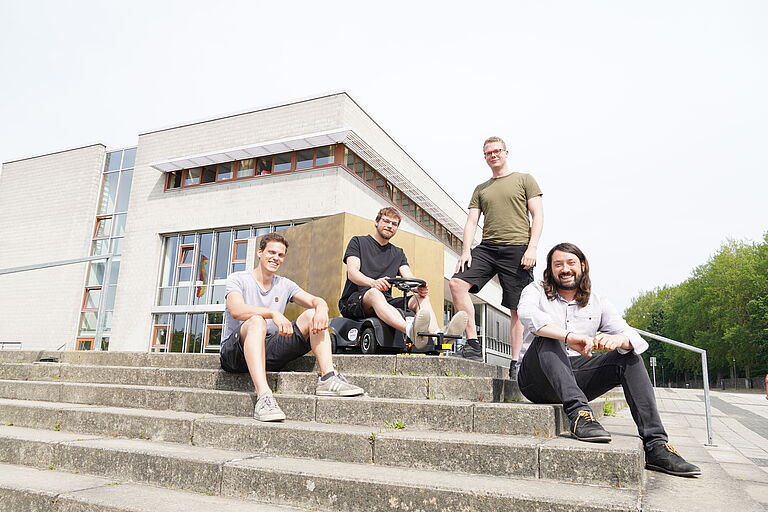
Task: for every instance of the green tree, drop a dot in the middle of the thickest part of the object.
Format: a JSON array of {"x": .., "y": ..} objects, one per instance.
[{"x": 722, "y": 308}]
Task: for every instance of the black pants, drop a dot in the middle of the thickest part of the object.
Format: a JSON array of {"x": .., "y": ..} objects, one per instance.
[{"x": 548, "y": 376}]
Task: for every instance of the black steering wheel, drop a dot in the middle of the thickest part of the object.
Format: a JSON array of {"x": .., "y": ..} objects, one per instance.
[{"x": 406, "y": 284}]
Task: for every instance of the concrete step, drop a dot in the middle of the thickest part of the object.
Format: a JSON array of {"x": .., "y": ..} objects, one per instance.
[
  {"x": 482, "y": 389},
  {"x": 617, "y": 464},
  {"x": 399, "y": 364},
  {"x": 318, "y": 484},
  {"x": 441, "y": 415},
  {"x": 30, "y": 489},
  {"x": 516, "y": 418}
]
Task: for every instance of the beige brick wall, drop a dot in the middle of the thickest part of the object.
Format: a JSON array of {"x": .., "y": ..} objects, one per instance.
[{"x": 47, "y": 210}]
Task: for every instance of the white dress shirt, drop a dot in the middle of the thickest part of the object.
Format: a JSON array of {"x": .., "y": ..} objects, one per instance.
[{"x": 536, "y": 310}]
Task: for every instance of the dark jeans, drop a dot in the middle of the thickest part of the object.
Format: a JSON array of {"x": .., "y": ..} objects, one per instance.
[{"x": 548, "y": 376}]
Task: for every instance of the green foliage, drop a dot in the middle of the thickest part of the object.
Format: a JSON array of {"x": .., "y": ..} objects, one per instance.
[
  {"x": 397, "y": 424},
  {"x": 608, "y": 409},
  {"x": 722, "y": 307}
]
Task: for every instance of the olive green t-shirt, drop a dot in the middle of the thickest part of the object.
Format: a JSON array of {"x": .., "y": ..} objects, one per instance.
[{"x": 504, "y": 204}]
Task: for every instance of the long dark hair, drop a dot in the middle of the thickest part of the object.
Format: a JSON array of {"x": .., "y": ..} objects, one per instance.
[{"x": 585, "y": 287}]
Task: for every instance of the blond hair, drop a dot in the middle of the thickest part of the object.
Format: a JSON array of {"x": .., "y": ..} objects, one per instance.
[{"x": 494, "y": 139}]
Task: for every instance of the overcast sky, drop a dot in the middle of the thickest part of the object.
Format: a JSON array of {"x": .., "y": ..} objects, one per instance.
[{"x": 645, "y": 123}]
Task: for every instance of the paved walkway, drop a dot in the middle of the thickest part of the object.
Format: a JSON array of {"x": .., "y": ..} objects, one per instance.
[{"x": 735, "y": 469}]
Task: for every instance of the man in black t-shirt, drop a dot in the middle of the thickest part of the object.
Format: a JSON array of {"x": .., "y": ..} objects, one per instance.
[{"x": 370, "y": 260}]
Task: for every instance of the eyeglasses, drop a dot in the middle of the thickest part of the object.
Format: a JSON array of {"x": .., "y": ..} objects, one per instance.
[{"x": 494, "y": 152}]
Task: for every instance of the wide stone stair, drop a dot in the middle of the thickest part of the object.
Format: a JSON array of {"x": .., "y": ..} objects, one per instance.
[{"x": 90, "y": 431}]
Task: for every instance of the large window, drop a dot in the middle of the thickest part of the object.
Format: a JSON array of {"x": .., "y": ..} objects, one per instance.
[
  {"x": 108, "y": 232},
  {"x": 252, "y": 167},
  {"x": 195, "y": 267}
]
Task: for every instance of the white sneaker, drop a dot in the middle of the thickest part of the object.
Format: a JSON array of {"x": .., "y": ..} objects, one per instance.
[
  {"x": 457, "y": 325},
  {"x": 420, "y": 323},
  {"x": 337, "y": 385},
  {"x": 266, "y": 409}
]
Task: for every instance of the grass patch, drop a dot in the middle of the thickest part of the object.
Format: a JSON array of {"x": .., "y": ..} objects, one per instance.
[
  {"x": 397, "y": 424},
  {"x": 608, "y": 409},
  {"x": 56, "y": 427}
]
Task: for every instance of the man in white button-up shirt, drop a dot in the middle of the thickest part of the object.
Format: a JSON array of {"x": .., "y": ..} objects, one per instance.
[{"x": 564, "y": 322}]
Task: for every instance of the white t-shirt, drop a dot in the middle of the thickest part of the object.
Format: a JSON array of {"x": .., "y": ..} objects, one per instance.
[{"x": 277, "y": 297}]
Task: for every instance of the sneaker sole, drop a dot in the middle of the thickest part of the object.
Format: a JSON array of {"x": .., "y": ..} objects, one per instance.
[
  {"x": 457, "y": 325},
  {"x": 350, "y": 392},
  {"x": 670, "y": 472},
  {"x": 422, "y": 317},
  {"x": 595, "y": 439},
  {"x": 271, "y": 417},
  {"x": 477, "y": 359}
]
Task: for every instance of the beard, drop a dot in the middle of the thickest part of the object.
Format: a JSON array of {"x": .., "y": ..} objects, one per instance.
[
  {"x": 573, "y": 285},
  {"x": 385, "y": 235}
]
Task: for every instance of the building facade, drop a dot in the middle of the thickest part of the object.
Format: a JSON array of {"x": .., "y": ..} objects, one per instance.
[{"x": 176, "y": 212}]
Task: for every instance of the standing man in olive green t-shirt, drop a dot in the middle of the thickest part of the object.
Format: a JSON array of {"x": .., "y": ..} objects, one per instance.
[{"x": 508, "y": 248}]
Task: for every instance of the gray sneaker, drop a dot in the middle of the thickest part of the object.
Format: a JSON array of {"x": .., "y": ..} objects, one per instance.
[
  {"x": 420, "y": 324},
  {"x": 267, "y": 409},
  {"x": 337, "y": 385}
]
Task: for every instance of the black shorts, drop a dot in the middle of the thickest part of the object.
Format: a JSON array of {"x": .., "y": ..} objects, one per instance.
[
  {"x": 488, "y": 260},
  {"x": 280, "y": 351},
  {"x": 353, "y": 307}
]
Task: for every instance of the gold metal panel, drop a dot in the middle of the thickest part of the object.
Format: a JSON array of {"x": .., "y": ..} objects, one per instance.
[{"x": 314, "y": 258}]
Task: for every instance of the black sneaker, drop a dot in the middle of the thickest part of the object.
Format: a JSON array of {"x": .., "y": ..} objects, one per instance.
[
  {"x": 467, "y": 351},
  {"x": 586, "y": 428},
  {"x": 666, "y": 459},
  {"x": 513, "y": 370}
]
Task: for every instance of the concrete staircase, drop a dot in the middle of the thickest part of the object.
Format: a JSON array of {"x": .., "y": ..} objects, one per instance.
[{"x": 91, "y": 431}]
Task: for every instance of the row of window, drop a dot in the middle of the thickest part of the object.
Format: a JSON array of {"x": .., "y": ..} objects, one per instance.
[
  {"x": 252, "y": 167},
  {"x": 196, "y": 265},
  {"x": 308, "y": 159},
  {"x": 377, "y": 182},
  {"x": 108, "y": 232},
  {"x": 187, "y": 332}
]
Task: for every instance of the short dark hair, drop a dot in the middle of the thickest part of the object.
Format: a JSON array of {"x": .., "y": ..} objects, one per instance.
[
  {"x": 272, "y": 237},
  {"x": 389, "y": 212},
  {"x": 585, "y": 287}
]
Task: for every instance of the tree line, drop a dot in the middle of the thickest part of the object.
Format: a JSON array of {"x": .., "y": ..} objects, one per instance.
[{"x": 722, "y": 308}]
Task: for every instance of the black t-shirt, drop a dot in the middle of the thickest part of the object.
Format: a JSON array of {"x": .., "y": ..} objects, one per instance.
[{"x": 375, "y": 261}]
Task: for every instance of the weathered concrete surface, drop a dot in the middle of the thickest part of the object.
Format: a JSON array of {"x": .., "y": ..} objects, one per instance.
[
  {"x": 348, "y": 443},
  {"x": 32, "y": 490},
  {"x": 425, "y": 414},
  {"x": 619, "y": 463},
  {"x": 475, "y": 389},
  {"x": 342, "y": 486},
  {"x": 464, "y": 452},
  {"x": 170, "y": 426},
  {"x": 516, "y": 419}
]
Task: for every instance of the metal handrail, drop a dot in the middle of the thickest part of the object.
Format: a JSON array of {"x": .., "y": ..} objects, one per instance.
[
  {"x": 107, "y": 270},
  {"x": 37, "y": 266},
  {"x": 704, "y": 371}
]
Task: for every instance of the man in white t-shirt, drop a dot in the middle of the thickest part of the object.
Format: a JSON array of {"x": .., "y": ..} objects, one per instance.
[{"x": 258, "y": 337}]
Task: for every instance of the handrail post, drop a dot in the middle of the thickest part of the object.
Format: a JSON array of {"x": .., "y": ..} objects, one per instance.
[
  {"x": 707, "y": 406},
  {"x": 704, "y": 372}
]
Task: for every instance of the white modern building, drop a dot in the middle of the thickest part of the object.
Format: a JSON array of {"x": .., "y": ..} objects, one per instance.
[{"x": 176, "y": 212}]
